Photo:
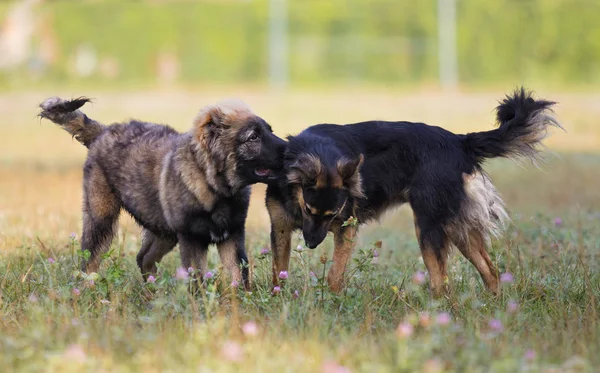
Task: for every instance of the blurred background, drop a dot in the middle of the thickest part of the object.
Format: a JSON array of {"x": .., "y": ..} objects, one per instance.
[{"x": 297, "y": 63}]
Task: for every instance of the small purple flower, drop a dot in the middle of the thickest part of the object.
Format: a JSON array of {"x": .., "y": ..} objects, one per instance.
[
  {"x": 296, "y": 294},
  {"x": 151, "y": 279},
  {"x": 181, "y": 274},
  {"x": 558, "y": 222},
  {"x": 73, "y": 235},
  {"x": 496, "y": 325},
  {"x": 276, "y": 290},
  {"x": 208, "y": 275},
  {"x": 530, "y": 355},
  {"x": 299, "y": 248},
  {"x": 76, "y": 292},
  {"x": 235, "y": 284},
  {"x": 443, "y": 319},
  {"x": 419, "y": 278},
  {"x": 507, "y": 278},
  {"x": 375, "y": 253},
  {"x": 312, "y": 274},
  {"x": 264, "y": 251},
  {"x": 512, "y": 307},
  {"x": 51, "y": 260},
  {"x": 283, "y": 275}
]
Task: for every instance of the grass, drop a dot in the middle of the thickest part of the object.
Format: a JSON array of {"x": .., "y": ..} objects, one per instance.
[{"x": 53, "y": 318}]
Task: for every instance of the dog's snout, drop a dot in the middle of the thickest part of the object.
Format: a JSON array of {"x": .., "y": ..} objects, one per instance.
[{"x": 310, "y": 246}]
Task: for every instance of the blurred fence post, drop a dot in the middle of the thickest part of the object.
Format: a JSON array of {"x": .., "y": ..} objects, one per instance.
[
  {"x": 278, "y": 61},
  {"x": 447, "y": 57}
]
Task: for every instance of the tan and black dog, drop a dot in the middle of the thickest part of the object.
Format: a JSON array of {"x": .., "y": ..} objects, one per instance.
[
  {"x": 361, "y": 170},
  {"x": 188, "y": 188}
]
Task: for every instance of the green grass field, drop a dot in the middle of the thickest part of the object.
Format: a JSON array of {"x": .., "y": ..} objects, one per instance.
[{"x": 55, "y": 319}]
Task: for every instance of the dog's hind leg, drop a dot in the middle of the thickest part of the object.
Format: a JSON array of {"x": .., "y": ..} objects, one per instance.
[
  {"x": 281, "y": 238},
  {"x": 434, "y": 246},
  {"x": 345, "y": 240},
  {"x": 101, "y": 209},
  {"x": 153, "y": 249},
  {"x": 474, "y": 249}
]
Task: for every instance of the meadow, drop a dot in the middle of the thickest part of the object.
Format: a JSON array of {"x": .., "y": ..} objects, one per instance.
[{"x": 54, "y": 318}]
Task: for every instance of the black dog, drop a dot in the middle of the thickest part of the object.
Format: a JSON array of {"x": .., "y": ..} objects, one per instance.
[{"x": 360, "y": 170}]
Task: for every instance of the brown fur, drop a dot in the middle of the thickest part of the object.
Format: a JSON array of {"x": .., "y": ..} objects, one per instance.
[
  {"x": 345, "y": 241},
  {"x": 281, "y": 237},
  {"x": 189, "y": 188}
]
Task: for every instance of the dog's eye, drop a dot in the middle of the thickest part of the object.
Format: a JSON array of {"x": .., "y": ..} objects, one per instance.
[
  {"x": 253, "y": 137},
  {"x": 307, "y": 210}
]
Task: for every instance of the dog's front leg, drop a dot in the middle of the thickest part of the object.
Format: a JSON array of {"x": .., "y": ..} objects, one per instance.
[
  {"x": 233, "y": 257},
  {"x": 281, "y": 238},
  {"x": 193, "y": 255},
  {"x": 345, "y": 240}
]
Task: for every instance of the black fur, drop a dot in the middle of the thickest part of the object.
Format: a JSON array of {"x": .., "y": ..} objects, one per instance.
[{"x": 404, "y": 162}]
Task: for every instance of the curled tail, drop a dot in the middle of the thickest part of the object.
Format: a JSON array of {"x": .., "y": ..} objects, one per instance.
[
  {"x": 523, "y": 123},
  {"x": 67, "y": 115}
]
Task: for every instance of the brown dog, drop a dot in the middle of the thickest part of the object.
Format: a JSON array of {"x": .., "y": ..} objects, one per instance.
[{"x": 190, "y": 188}]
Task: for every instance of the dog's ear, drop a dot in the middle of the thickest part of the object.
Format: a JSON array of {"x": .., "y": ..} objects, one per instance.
[
  {"x": 208, "y": 124},
  {"x": 349, "y": 170},
  {"x": 213, "y": 120},
  {"x": 305, "y": 170}
]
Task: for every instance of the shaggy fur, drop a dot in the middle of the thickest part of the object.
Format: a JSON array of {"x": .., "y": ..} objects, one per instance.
[
  {"x": 190, "y": 188},
  {"x": 361, "y": 170}
]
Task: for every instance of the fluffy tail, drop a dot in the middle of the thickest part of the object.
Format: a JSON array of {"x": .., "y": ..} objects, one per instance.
[
  {"x": 523, "y": 123},
  {"x": 66, "y": 114}
]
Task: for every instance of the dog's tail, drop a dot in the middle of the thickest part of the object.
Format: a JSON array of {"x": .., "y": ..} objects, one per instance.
[
  {"x": 523, "y": 123},
  {"x": 68, "y": 116}
]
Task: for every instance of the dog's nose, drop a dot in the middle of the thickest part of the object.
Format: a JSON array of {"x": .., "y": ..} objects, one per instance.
[{"x": 309, "y": 245}]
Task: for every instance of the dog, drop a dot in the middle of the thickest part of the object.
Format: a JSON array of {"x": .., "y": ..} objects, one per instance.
[
  {"x": 335, "y": 172},
  {"x": 188, "y": 188}
]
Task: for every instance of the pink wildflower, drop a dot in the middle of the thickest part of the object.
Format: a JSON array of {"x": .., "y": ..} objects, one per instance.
[
  {"x": 181, "y": 274},
  {"x": 76, "y": 292},
  {"x": 283, "y": 275},
  {"x": 405, "y": 329},
  {"x": 51, "y": 260},
  {"x": 530, "y": 355},
  {"x": 512, "y": 306},
  {"x": 250, "y": 329},
  {"x": 496, "y": 325},
  {"x": 419, "y": 278},
  {"x": 443, "y": 319},
  {"x": 232, "y": 351},
  {"x": 333, "y": 367},
  {"x": 151, "y": 279},
  {"x": 507, "y": 278},
  {"x": 276, "y": 290}
]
